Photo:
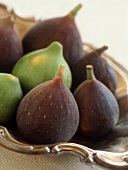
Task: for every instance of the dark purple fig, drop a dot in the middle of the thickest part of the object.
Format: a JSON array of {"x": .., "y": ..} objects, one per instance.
[
  {"x": 61, "y": 29},
  {"x": 103, "y": 70},
  {"x": 48, "y": 113},
  {"x": 10, "y": 44},
  {"x": 98, "y": 108}
]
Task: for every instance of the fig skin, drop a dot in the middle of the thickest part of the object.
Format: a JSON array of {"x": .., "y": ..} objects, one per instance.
[
  {"x": 98, "y": 107},
  {"x": 10, "y": 97},
  {"x": 41, "y": 66},
  {"x": 103, "y": 70},
  {"x": 10, "y": 44},
  {"x": 61, "y": 29},
  {"x": 48, "y": 113}
]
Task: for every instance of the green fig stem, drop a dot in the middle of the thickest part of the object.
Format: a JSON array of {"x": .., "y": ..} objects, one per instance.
[
  {"x": 60, "y": 73},
  {"x": 73, "y": 13},
  {"x": 101, "y": 50},
  {"x": 90, "y": 72}
]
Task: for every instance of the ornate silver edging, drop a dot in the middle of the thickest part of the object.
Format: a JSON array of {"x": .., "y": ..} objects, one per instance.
[{"x": 118, "y": 161}]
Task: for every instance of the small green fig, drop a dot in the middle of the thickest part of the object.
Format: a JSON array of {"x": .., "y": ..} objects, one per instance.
[
  {"x": 98, "y": 107},
  {"x": 10, "y": 96},
  {"x": 41, "y": 65}
]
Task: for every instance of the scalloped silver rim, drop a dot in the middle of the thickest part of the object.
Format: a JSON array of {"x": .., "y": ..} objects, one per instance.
[{"x": 105, "y": 159}]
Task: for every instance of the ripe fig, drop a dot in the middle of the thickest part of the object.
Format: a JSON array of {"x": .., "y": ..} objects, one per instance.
[
  {"x": 10, "y": 96},
  {"x": 10, "y": 44},
  {"x": 41, "y": 65},
  {"x": 103, "y": 70},
  {"x": 98, "y": 107},
  {"x": 48, "y": 113},
  {"x": 61, "y": 29}
]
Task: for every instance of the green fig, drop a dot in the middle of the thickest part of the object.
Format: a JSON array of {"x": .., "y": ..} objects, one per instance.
[
  {"x": 10, "y": 44},
  {"x": 48, "y": 113},
  {"x": 61, "y": 29},
  {"x": 10, "y": 96},
  {"x": 104, "y": 72},
  {"x": 98, "y": 107},
  {"x": 41, "y": 65}
]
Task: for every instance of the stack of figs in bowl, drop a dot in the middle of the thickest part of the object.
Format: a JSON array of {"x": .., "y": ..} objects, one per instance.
[{"x": 53, "y": 89}]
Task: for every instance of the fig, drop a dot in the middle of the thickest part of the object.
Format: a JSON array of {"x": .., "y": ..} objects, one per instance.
[
  {"x": 104, "y": 72},
  {"x": 41, "y": 65},
  {"x": 48, "y": 113},
  {"x": 10, "y": 97},
  {"x": 98, "y": 107},
  {"x": 10, "y": 44},
  {"x": 62, "y": 29}
]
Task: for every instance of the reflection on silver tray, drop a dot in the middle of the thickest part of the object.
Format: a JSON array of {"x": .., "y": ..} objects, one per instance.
[{"x": 110, "y": 151}]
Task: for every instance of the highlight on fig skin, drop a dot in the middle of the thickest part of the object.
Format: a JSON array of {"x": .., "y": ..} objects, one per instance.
[{"x": 41, "y": 66}]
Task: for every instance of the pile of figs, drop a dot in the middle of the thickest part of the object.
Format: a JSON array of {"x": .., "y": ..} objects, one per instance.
[{"x": 51, "y": 86}]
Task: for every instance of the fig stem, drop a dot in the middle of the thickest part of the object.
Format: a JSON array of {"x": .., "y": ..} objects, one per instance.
[
  {"x": 60, "y": 73},
  {"x": 90, "y": 72},
  {"x": 101, "y": 50},
  {"x": 73, "y": 13}
]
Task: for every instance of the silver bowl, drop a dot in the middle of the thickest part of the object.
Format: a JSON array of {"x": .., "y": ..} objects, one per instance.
[{"x": 109, "y": 152}]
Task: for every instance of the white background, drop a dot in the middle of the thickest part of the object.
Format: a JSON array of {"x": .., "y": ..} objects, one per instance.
[{"x": 101, "y": 22}]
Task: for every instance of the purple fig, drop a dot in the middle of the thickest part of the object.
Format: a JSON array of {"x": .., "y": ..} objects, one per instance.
[
  {"x": 98, "y": 107},
  {"x": 48, "y": 113},
  {"x": 61, "y": 29},
  {"x": 103, "y": 70},
  {"x": 10, "y": 44}
]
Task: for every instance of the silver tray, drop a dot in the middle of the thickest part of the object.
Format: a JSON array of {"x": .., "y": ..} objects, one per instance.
[{"x": 109, "y": 152}]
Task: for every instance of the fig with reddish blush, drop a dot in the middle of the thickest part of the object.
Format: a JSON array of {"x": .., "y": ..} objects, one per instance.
[{"x": 48, "y": 113}]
